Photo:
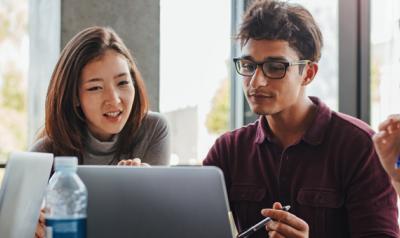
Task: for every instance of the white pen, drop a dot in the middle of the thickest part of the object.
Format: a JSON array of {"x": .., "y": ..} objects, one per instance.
[{"x": 257, "y": 226}]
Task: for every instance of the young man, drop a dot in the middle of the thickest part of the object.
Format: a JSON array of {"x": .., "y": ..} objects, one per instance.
[{"x": 299, "y": 153}]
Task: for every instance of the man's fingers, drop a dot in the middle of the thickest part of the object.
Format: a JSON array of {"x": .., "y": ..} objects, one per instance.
[
  {"x": 277, "y": 205},
  {"x": 285, "y": 217},
  {"x": 284, "y": 230},
  {"x": 274, "y": 234}
]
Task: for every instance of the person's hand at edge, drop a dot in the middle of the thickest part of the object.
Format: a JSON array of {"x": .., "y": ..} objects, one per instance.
[{"x": 387, "y": 145}]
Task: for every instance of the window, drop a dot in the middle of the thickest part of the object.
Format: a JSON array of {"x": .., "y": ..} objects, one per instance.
[
  {"x": 194, "y": 82},
  {"x": 385, "y": 60},
  {"x": 14, "y": 46},
  {"x": 325, "y": 84},
  {"x": 14, "y": 49}
]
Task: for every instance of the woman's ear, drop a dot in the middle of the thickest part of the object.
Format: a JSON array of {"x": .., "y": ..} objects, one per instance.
[{"x": 311, "y": 70}]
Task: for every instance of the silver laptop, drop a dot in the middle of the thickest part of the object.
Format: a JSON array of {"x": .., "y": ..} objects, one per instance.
[
  {"x": 178, "y": 202},
  {"x": 22, "y": 191}
]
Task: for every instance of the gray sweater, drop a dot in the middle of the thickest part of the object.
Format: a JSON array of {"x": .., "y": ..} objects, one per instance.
[{"x": 152, "y": 147}]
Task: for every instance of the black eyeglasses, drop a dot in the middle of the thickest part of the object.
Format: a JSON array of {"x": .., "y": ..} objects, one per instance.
[{"x": 271, "y": 69}]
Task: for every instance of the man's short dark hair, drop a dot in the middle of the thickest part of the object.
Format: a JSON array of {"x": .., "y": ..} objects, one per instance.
[{"x": 276, "y": 20}]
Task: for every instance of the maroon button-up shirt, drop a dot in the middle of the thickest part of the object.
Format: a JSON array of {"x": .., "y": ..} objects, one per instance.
[{"x": 331, "y": 178}]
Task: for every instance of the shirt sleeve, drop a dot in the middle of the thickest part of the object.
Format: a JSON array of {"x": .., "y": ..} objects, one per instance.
[
  {"x": 219, "y": 156},
  {"x": 212, "y": 158},
  {"x": 371, "y": 200},
  {"x": 214, "y": 155},
  {"x": 159, "y": 149}
]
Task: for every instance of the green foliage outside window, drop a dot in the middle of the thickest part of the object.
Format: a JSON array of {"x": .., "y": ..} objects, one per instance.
[
  {"x": 217, "y": 120},
  {"x": 13, "y": 115}
]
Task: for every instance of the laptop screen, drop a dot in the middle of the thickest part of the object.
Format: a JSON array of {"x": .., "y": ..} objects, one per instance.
[{"x": 156, "y": 202}]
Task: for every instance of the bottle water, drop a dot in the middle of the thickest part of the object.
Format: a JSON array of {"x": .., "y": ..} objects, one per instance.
[{"x": 65, "y": 201}]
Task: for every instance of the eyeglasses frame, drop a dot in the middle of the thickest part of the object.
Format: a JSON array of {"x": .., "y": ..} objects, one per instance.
[{"x": 260, "y": 64}]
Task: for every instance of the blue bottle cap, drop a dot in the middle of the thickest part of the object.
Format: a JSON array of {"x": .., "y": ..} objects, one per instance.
[{"x": 398, "y": 163}]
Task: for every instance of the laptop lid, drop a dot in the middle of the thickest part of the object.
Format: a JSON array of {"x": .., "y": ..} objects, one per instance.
[
  {"x": 21, "y": 193},
  {"x": 156, "y": 202}
]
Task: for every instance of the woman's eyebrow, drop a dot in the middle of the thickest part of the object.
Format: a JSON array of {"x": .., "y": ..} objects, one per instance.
[
  {"x": 120, "y": 75},
  {"x": 93, "y": 80}
]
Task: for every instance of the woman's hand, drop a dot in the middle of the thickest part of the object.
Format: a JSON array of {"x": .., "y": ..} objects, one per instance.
[
  {"x": 133, "y": 162},
  {"x": 41, "y": 227}
]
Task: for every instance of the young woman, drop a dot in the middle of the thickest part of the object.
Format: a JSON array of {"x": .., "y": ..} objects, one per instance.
[{"x": 97, "y": 106}]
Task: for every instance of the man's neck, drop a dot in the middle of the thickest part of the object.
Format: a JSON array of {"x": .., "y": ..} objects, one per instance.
[{"x": 290, "y": 125}]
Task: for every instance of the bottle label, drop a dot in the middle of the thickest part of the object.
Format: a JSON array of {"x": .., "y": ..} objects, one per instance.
[{"x": 66, "y": 228}]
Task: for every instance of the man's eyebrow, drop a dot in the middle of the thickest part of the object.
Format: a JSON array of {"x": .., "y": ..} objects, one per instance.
[
  {"x": 269, "y": 58},
  {"x": 276, "y": 58},
  {"x": 247, "y": 57}
]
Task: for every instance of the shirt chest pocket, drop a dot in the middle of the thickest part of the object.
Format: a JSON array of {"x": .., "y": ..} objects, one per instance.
[
  {"x": 247, "y": 193},
  {"x": 246, "y": 203},
  {"x": 320, "y": 197},
  {"x": 322, "y": 209}
]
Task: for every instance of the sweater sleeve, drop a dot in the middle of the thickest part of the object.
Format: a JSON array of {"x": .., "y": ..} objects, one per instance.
[{"x": 41, "y": 145}]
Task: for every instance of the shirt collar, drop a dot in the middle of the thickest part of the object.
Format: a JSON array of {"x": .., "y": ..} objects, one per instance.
[
  {"x": 263, "y": 131},
  {"x": 316, "y": 132},
  {"x": 313, "y": 135}
]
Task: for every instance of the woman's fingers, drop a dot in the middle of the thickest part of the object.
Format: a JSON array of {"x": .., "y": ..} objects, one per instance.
[
  {"x": 136, "y": 162},
  {"x": 133, "y": 162},
  {"x": 40, "y": 230}
]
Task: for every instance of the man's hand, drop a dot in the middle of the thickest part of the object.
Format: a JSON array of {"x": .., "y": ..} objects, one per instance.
[
  {"x": 40, "y": 227},
  {"x": 387, "y": 145},
  {"x": 284, "y": 224},
  {"x": 133, "y": 162}
]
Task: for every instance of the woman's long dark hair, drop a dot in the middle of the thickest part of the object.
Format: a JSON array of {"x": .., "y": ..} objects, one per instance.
[{"x": 65, "y": 124}]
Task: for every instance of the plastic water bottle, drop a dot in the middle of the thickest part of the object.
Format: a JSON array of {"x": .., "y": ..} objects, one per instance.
[{"x": 65, "y": 201}]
